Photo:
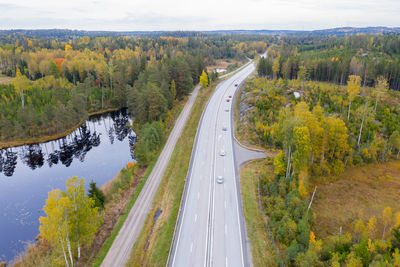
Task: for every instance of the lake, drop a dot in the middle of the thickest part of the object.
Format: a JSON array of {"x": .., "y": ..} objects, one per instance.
[{"x": 95, "y": 151}]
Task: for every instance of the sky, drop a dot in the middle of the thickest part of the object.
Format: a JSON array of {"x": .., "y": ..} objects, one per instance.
[{"x": 149, "y": 15}]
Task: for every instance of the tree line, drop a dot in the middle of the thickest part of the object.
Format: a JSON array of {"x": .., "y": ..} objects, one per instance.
[{"x": 333, "y": 59}]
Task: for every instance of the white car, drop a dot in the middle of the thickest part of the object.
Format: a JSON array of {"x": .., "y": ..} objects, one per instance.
[
  {"x": 220, "y": 179},
  {"x": 226, "y": 109},
  {"x": 222, "y": 152}
]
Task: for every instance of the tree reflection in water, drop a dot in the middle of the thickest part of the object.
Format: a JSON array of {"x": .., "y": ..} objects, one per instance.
[
  {"x": 8, "y": 161},
  {"x": 75, "y": 145}
]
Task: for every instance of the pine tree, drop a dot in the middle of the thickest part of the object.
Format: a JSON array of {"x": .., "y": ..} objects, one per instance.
[{"x": 96, "y": 194}]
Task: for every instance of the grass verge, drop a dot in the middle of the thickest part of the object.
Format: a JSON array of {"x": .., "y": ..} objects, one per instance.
[
  {"x": 153, "y": 244},
  {"x": 262, "y": 250}
]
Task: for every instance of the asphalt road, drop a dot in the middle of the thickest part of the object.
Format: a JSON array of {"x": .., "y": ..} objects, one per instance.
[
  {"x": 210, "y": 231},
  {"x": 120, "y": 250}
]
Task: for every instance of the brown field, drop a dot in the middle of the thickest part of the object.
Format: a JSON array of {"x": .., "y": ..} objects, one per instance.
[
  {"x": 221, "y": 64},
  {"x": 5, "y": 79},
  {"x": 358, "y": 193}
]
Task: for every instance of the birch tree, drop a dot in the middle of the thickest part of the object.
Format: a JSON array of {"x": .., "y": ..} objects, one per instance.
[
  {"x": 380, "y": 87},
  {"x": 365, "y": 115},
  {"x": 353, "y": 89},
  {"x": 21, "y": 83},
  {"x": 71, "y": 220},
  {"x": 54, "y": 228}
]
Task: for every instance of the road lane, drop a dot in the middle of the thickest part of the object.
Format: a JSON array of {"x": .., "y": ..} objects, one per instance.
[{"x": 215, "y": 237}]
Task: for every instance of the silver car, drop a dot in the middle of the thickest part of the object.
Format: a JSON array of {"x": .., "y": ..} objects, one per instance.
[
  {"x": 220, "y": 179},
  {"x": 222, "y": 152}
]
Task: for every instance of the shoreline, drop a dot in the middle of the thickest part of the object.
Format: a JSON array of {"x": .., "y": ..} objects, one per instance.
[{"x": 47, "y": 138}]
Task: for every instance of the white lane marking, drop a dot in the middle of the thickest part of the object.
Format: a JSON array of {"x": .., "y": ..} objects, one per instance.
[
  {"x": 225, "y": 204},
  {"x": 191, "y": 247},
  {"x": 226, "y": 229},
  {"x": 198, "y": 195},
  {"x": 226, "y": 261},
  {"x": 195, "y": 217}
]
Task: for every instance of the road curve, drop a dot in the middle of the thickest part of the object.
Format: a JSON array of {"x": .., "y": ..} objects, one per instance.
[
  {"x": 120, "y": 250},
  {"x": 209, "y": 229}
]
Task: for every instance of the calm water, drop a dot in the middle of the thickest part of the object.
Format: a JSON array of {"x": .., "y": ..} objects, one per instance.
[{"x": 95, "y": 151}]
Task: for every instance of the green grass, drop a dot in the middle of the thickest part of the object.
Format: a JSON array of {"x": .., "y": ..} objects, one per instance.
[
  {"x": 262, "y": 250},
  {"x": 169, "y": 195}
]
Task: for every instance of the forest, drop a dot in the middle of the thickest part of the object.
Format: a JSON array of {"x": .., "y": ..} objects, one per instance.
[
  {"x": 57, "y": 83},
  {"x": 333, "y": 59},
  {"x": 323, "y": 115}
]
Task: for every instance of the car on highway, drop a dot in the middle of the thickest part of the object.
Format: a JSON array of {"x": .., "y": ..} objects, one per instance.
[
  {"x": 228, "y": 100},
  {"x": 236, "y": 84},
  {"x": 220, "y": 179},
  {"x": 226, "y": 109},
  {"x": 230, "y": 96},
  {"x": 222, "y": 152},
  {"x": 224, "y": 129}
]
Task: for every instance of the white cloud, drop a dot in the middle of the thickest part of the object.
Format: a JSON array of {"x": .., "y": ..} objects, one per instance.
[{"x": 197, "y": 15}]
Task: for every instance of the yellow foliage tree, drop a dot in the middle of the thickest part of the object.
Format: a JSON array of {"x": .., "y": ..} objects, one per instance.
[
  {"x": 371, "y": 227},
  {"x": 71, "y": 220},
  {"x": 380, "y": 87},
  {"x": 276, "y": 66},
  {"x": 387, "y": 219},
  {"x": 353, "y": 89},
  {"x": 68, "y": 47},
  {"x": 279, "y": 164},
  {"x": 204, "y": 79},
  {"x": 303, "y": 180},
  {"x": 21, "y": 83}
]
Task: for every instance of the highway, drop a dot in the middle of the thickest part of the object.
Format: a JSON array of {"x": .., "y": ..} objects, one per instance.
[
  {"x": 210, "y": 231},
  {"x": 120, "y": 250}
]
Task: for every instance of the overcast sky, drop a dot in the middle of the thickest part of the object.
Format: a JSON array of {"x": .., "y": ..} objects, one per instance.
[{"x": 133, "y": 15}]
